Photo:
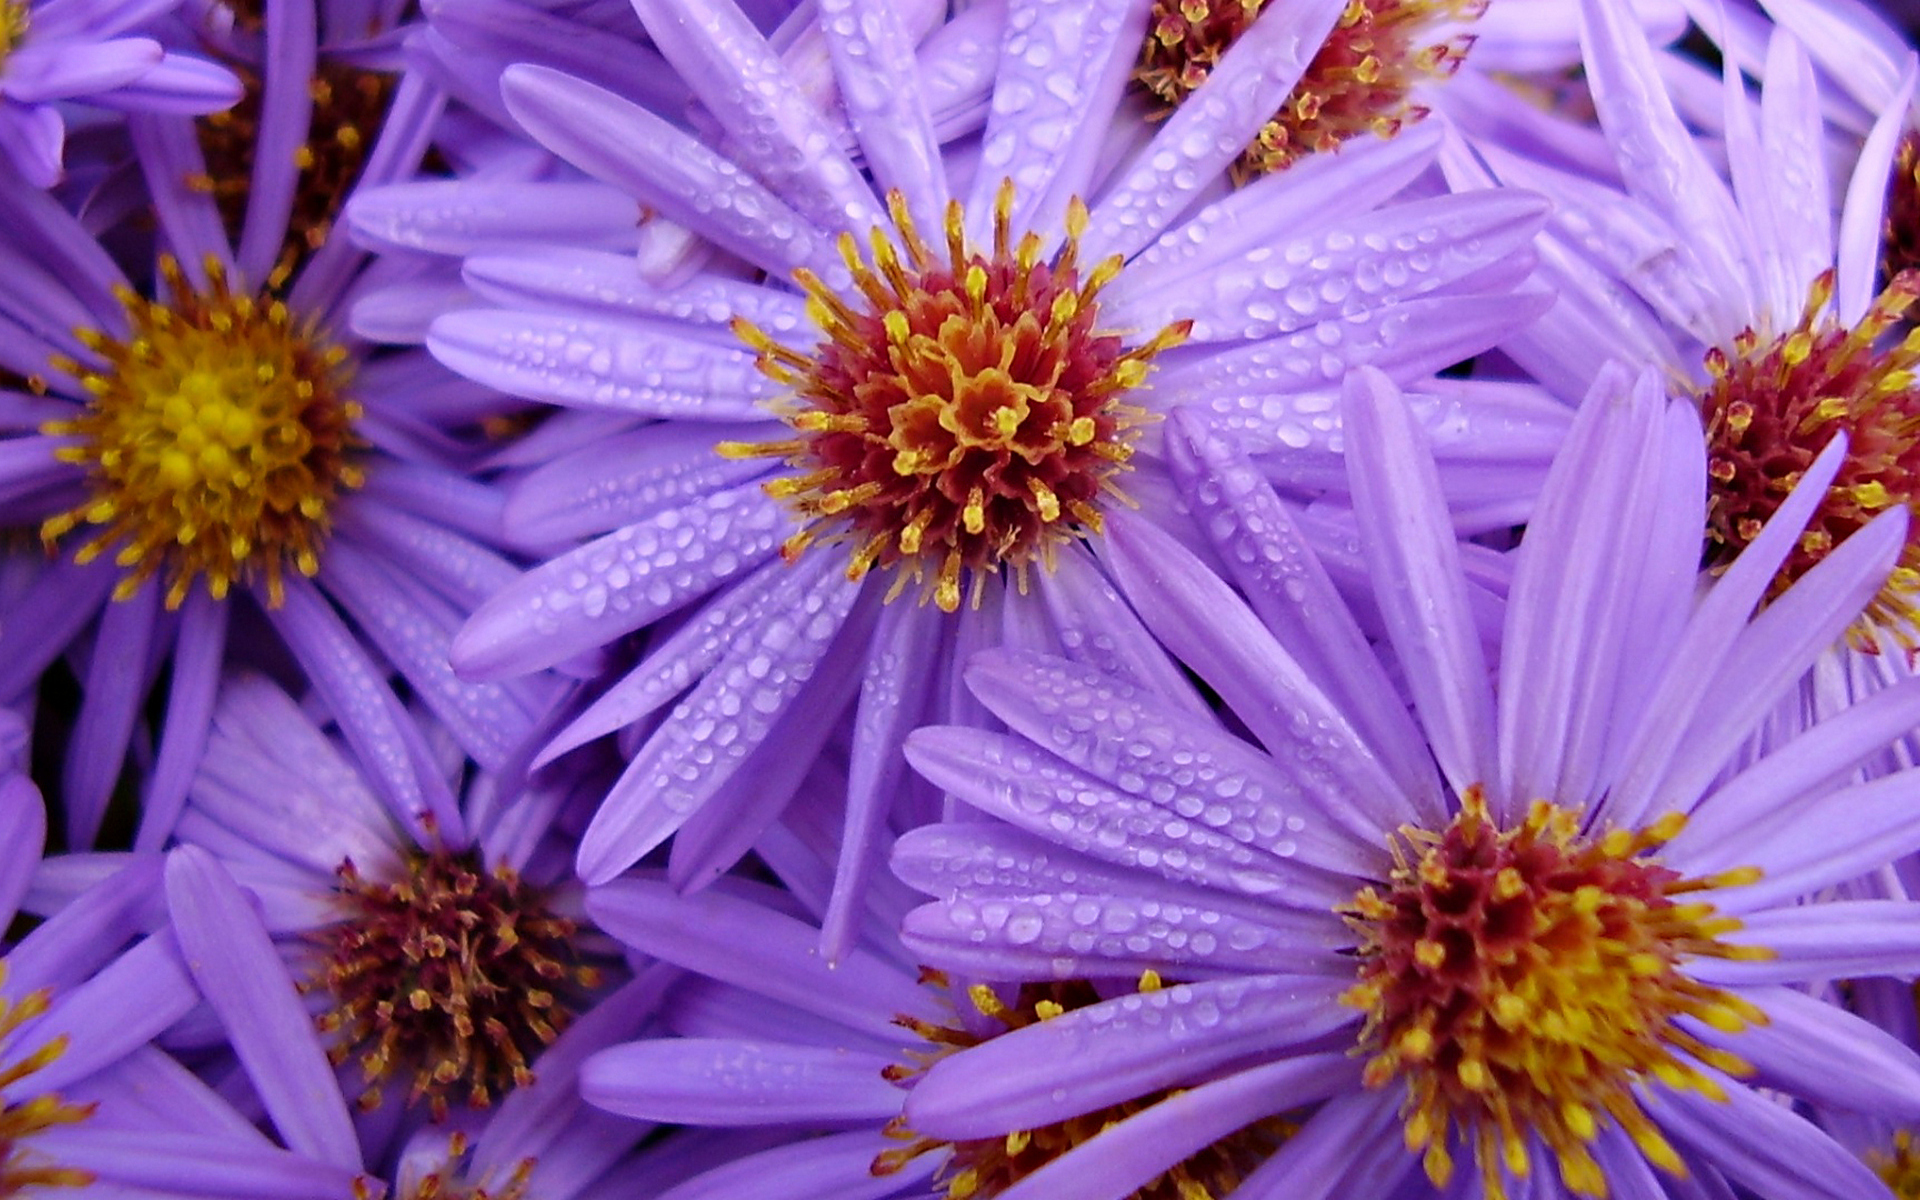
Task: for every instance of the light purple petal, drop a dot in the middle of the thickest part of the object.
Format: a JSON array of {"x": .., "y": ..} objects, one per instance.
[
  {"x": 1762, "y": 1144},
  {"x": 1836, "y": 939},
  {"x": 616, "y": 141},
  {"x": 1818, "y": 1052},
  {"x": 245, "y": 982},
  {"x": 116, "y": 688},
  {"x": 1862, "y": 216},
  {"x": 837, "y": 1165},
  {"x": 1060, "y": 74},
  {"x": 709, "y": 735},
  {"x": 37, "y": 74},
  {"x": 590, "y": 596},
  {"x": 705, "y": 1081},
  {"x": 196, "y": 1164},
  {"x": 875, "y": 68},
  {"x": 23, "y": 837},
  {"x": 1208, "y": 628},
  {"x": 1091, "y": 1058},
  {"x": 1359, "y": 1134},
  {"x": 1415, "y": 561},
  {"x": 1210, "y": 127},
  {"x": 774, "y": 129},
  {"x": 1802, "y": 849},
  {"x": 198, "y": 652},
  {"x": 764, "y": 952}
]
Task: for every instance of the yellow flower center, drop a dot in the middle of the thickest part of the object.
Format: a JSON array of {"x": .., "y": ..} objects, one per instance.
[
  {"x": 1772, "y": 405},
  {"x": 214, "y": 439},
  {"x": 1360, "y": 81},
  {"x": 455, "y": 971},
  {"x": 1524, "y": 980},
  {"x": 963, "y": 412},
  {"x": 21, "y": 1168},
  {"x": 986, "y": 1167}
]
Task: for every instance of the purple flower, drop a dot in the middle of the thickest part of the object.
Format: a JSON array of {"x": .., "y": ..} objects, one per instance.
[
  {"x": 964, "y": 387},
  {"x": 1566, "y": 946},
  {"x": 442, "y": 956},
  {"x": 221, "y": 432},
  {"x": 56, "y": 52},
  {"x": 187, "y": 1139}
]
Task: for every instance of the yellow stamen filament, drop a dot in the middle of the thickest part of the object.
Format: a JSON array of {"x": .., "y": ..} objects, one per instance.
[{"x": 1525, "y": 980}]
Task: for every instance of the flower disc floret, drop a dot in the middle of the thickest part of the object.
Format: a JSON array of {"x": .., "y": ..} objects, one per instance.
[
  {"x": 1360, "y": 81},
  {"x": 454, "y": 972},
  {"x": 964, "y": 411},
  {"x": 214, "y": 441},
  {"x": 13, "y": 26},
  {"x": 1771, "y": 406},
  {"x": 986, "y": 1167},
  {"x": 22, "y": 1169},
  {"x": 1521, "y": 982}
]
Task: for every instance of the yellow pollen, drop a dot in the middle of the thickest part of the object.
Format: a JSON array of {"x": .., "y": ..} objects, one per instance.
[
  {"x": 1362, "y": 79},
  {"x": 214, "y": 442},
  {"x": 13, "y": 25},
  {"x": 1558, "y": 991},
  {"x": 22, "y": 1169},
  {"x": 1772, "y": 404},
  {"x": 959, "y": 409}
]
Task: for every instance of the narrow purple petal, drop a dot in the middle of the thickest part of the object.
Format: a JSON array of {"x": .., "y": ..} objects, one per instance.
[
  {"x": 1762, "y": 1144},
  {"x": 875, "y": 68},
  {"x": 764, "y": 952},
  {"x": 708, "y": 736},
  {"x": 607, "y": 364},
  {"x": 23, "y": 837},
  {"x": 1861, "y": 219},
  {"x": 1355, "y": 1134},
  {"x": 116, "y": 688},
  {"x": 775, "y": 129},
  {"x": 1123, "y": 1157},
  {"x": 1836, "y": 939},
  {"x": 893, "y": 699},
  {"x": 1208, "y": 628},
  {"x": 195, "y": 1164},
  {"x": 590, "y": 596},
  {"x": 1415, "y": 561},
  {"x": 1810, "y": 765},
  {"x": 616, "y": 141},
  {"x": 1210, "y": 127},
  {"x": 1820, "y": 1053},
  {"x": 705, "y": 1081},
  {"x": 378, "y": 728},
  {"x": 1801, "y": 850},
  {"x": 122, "y": 1008},
  {"x": 286, "y": 108},
  {"x": 1060, "y": 74},
  {"x": 37, "y": 74},
  {"x": 837, "y": 1165},
  {"x": 1091, "y": 1058},
  {"x": 245, "y": 982},
  {"x": 198, "y": 652}
]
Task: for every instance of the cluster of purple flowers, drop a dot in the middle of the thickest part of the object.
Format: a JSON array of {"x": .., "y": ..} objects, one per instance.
[{"x": 959, "y": 599}]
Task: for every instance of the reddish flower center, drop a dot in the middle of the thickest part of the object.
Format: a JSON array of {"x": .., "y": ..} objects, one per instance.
[
  {"x": 964, "y": 411},
  {"x": 214, "y": 439},
  {"x": 989, "y": 1166},
  {"x": 1361, "y": 80},
  {"x": 453, "y": 972},
  {"x": 1772, "y": 406},
  {"x": 1521, "y": 981}
]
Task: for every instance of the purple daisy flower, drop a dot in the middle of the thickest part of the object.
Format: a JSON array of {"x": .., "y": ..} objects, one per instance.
[
  {"x": 186, "y": 1139},
  {"x": 475, "y": 926},
  {"x": 59, "y": 52},
  {"x": 950, "y": 411},
  {"x": 222, "y": 432},
  {"x": 1567, "y": 946},
  {"x": 1750, "y": 292}
]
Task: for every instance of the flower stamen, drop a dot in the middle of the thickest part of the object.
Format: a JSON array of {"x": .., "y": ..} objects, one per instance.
[
  {"x": 214, "y": 440},
  {"x": 960, "y": 415},
  {"x": 1524, "y": 981}
]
